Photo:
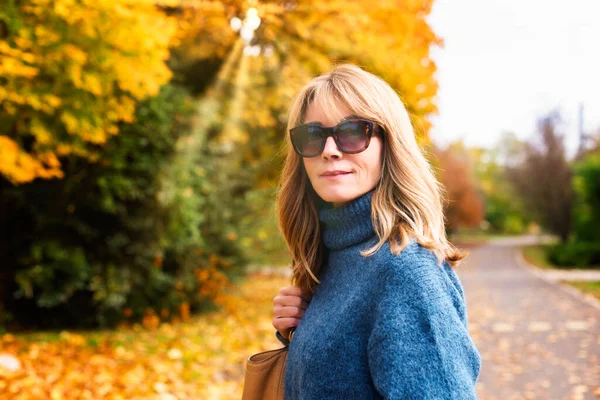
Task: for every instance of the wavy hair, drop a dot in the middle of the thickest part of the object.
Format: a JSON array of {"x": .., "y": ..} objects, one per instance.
[{"x": 407, "y": 200}]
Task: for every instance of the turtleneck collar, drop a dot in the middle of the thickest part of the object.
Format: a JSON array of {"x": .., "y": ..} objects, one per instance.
[{"x": 348, "y": 225}]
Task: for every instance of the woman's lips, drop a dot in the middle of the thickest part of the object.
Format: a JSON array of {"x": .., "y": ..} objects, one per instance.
[{"x": 335, "y": 174}]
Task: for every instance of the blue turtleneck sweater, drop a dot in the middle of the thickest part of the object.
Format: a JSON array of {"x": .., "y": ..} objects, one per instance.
[{"x": 383, "y": 326}]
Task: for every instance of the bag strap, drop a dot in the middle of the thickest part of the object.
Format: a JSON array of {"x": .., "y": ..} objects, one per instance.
[{"x": 286, "y": 340}]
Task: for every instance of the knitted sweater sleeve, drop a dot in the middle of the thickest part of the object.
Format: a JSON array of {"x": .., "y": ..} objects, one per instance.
[{"x": 420, "y": 347}]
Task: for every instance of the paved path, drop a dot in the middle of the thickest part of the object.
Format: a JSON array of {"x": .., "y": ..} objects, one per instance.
[
  {"x": 571, "y": 275},
  {"x": 537, "y": 340}
]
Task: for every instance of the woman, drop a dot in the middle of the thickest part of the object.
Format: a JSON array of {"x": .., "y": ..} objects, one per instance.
[{"x": 377, "y": 308}]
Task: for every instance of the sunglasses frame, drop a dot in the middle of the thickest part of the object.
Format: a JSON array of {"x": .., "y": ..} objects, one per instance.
[{"x": 332, "y": 131}]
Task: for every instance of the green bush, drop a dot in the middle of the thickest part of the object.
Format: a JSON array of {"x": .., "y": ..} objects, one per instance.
[
  {"x": 577, "y": 254},
  {"x": 584, "y": 248},
  {"x": 586, "y": 211},
  {"x": 55, "y": 272},
  {"x": 109, "y": 240}
]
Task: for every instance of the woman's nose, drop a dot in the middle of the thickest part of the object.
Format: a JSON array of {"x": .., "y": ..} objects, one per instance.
[{"x": 331, "y": 150}]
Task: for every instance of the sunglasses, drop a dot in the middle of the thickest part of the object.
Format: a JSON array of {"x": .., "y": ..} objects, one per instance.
[{"x": 351, "y": 136}]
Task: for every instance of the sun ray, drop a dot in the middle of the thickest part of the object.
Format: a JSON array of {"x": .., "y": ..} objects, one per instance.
[{"x": 233, "y": 132}]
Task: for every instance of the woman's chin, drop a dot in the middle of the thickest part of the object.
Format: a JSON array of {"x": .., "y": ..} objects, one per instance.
[{"x": 336, "y": 197}]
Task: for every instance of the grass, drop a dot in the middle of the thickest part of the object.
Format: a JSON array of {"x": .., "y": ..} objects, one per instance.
[
  {"x": 592, "y": 288},
  {"x": 536, "y": 255}
]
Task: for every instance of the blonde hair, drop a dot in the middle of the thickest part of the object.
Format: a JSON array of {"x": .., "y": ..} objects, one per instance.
[{"x": 407, "y": 201}]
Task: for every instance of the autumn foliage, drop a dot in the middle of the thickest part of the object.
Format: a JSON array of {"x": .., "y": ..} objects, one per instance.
[
  {"x": 464, "y": 205},
  {"x": 71, "y": 72}
]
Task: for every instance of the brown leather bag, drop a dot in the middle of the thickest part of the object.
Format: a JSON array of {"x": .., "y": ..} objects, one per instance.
[{"x": 264, "y": 375}]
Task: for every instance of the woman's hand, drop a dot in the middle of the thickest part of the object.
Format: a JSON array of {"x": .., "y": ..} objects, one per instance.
[{"x": 288, "y": 308}]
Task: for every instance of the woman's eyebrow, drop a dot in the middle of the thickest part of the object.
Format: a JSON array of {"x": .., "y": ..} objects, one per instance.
[{"x": 351, "y": 116}]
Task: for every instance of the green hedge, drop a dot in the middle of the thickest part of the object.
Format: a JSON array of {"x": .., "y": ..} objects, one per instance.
[
  {"x": 103, "y": 244},
  {"x": 583, "y": 250},
  {"x": 586, "y": 211},
  {"x": 578, "y": 254}
]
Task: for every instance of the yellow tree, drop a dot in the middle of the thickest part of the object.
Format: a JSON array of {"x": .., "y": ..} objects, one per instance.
[
  {"x": 70, "y": 72},
  {"x": 390, "y": 38},
  {"x": 303, "y": 38}
]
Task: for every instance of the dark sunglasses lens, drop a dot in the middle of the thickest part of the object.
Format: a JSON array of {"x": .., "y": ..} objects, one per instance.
[
  {"x": 353, "y": 136},
  {"x": 308, "y": 140}
]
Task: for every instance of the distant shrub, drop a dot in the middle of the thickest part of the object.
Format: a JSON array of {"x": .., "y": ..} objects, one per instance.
[
  {"x": 586, "y": 211},
  {"x": 577, "y": 254}
]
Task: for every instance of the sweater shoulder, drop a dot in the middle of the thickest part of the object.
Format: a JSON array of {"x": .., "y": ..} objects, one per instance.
[
  {"x": 416, "y": 275},
  {"x": 412, "y": 263}
]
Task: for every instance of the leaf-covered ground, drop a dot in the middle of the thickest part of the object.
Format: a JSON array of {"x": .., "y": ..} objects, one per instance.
[{"x": 202, "y": 358}]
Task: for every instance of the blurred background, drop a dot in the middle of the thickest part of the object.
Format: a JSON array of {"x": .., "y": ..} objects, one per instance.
[{"x": 140, "y": 147}]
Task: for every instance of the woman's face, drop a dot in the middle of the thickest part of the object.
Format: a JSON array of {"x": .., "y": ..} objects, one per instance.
[{"x": 338, "y": 177}]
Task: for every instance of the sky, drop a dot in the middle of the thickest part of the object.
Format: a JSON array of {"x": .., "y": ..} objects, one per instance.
[{"x": 505, "y": 63}]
